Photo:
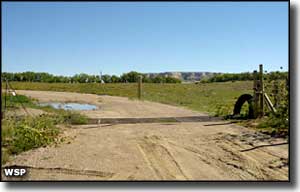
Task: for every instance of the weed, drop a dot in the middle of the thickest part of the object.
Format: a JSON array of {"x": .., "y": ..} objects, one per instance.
[
  {"x": 28, "y": 132},
  {"x": 22, "y": 133},
  {"x": 74, "y": 118}
]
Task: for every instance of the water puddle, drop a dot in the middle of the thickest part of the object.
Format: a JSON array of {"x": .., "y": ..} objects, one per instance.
[{"x": 70, "y": 106}]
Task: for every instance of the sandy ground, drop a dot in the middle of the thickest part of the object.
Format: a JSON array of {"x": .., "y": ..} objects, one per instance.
[
  {"x": 111, "y": 107},
  {"x": 212, "y": 150}
]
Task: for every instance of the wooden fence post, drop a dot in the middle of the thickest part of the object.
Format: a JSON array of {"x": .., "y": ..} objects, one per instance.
[
  {"x": 255, "y": 94},
  {"x": 5, "y": 98},
  {"x": 140, "y": 87},
  {"x": 276, "y": 92},
  {"x": 261, "y": 91}
]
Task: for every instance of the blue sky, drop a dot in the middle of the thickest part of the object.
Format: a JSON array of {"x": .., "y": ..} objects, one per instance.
[{"x": 66, "y": 38}]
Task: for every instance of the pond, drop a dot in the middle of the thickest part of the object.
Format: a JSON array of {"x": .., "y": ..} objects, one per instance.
[{"x": 70, "y": 106}]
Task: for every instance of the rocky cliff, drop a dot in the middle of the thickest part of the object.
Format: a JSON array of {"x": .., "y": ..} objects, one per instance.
[{"x": 184, "y": 76}]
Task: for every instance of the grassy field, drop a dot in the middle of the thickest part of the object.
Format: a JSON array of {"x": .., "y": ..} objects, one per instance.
[{"x": 214, "y": 98}]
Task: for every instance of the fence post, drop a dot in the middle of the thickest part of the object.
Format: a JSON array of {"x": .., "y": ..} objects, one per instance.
[
  {"x": 276, "y": 92},
  {"x": 140, "y": 87},
  {"x": 261, "y": 91},
  {"x": 255, "y": 94},
  {"x": 5, "y": 97}
]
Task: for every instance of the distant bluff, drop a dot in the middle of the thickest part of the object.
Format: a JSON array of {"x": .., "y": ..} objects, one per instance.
[{"x": 184, "y": 76}]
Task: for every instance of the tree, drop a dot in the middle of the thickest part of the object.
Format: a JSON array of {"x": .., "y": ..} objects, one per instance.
[
  {"x": 115, "y": 79},
  {"x": 130, "y": 77},
  {"x": 172, "y": 80},
  {"x": 106, "y": 78},
  {"x": 159, "y": 79}
]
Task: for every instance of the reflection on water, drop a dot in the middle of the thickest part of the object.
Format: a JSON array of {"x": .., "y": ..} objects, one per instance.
[{"x": 70, "y": 106}]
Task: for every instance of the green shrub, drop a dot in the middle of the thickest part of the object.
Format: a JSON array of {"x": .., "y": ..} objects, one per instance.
[
  {"x": 74, "y": 118},
  {"x": 222, "y": 110},
  {"x": 4, "y": 155},
  {"x": 22, "y": 133},
  {"x": 15, "y": 101},
  {"x": 29, "y": 132},
  {"x": 278, "y": 92}
]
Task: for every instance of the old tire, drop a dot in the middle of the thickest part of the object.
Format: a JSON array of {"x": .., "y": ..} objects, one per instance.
[{"x": 240, "y": 102}]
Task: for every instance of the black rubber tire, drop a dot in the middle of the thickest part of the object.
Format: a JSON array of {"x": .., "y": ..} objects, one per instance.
[{"x": 240, "y": 102}]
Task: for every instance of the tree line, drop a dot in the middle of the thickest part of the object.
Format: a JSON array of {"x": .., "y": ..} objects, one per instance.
[
  {"x": 247, "y": 76},
  {"x": 130, "y": 77}
]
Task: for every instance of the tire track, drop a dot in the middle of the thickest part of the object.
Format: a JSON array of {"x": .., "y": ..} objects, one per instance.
[
  {"x": 222, "y": 156},
  {"x": 160, "y": 159},
  {"x": 61, "y": 171}
]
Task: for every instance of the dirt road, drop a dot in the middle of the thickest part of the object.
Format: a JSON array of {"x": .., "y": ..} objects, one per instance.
[{"x": 187, "y": 150}]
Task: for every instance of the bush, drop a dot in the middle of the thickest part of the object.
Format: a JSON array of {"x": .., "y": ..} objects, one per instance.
[
  {"x": 74, "y": 118},
  {"x": 15, "y": 101},
  {"x": 27, "y": 133},
  {"x": 22, "y": 133},
  {"x": 243, "y": 77},
  {"x": 278, "y": 91},
  {"x": 222, "y": 110}
]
